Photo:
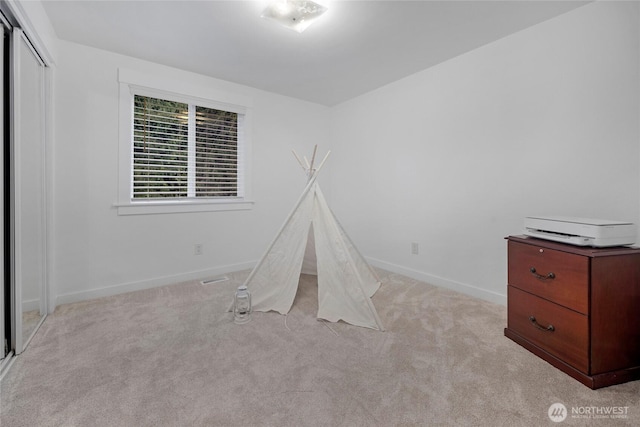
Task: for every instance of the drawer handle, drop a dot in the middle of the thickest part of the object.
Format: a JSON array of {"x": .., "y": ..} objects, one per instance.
[
  {"x": 540, "y": 276},
  {"x": 535, "y": 323}
]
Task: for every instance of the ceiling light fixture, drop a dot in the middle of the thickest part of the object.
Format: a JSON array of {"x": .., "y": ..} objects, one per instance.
[{"x": 294, "y": 14}]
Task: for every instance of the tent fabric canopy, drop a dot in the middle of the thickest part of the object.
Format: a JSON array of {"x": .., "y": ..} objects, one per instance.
[{"x": 346, "y": 282}]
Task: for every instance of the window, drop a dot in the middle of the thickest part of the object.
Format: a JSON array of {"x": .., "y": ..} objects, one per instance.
[
  {"x": 179, "y": 152},
  {"x": 183, "y": 150}
]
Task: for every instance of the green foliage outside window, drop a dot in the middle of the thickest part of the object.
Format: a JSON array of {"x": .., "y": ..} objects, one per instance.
[{"x": 169, "y": 161}]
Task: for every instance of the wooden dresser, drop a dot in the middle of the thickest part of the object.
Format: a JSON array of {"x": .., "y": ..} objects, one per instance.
[{"x": 576, "y": 307}]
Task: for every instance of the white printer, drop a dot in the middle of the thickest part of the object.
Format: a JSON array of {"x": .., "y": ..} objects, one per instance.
[{"x": 581, "y": 231}]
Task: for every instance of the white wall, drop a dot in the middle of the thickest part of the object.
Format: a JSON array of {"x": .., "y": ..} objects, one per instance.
[
  {"x": 545, "y": 121},
  {"x": 95, "y": 251},
  {"x": 542, "y": 122}
]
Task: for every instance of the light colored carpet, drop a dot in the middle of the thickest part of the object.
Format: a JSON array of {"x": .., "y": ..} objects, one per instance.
[{"x": 172, "y": 356}]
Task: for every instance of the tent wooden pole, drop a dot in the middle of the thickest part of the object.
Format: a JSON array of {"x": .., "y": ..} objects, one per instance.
[
  {"x": 299, "y": 161},
  {"x": 323, "y": 160},
  {"x": 313, "y": 157}
]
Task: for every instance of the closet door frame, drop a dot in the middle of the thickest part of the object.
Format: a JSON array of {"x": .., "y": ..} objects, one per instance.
[
  {"x": 4, "y": 338},
  {"x": 14, "y": 15},
  {"x": 19, "y": 340}
]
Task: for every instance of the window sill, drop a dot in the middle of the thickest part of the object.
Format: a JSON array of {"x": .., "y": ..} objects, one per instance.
[{"x": 182, "y": 206}]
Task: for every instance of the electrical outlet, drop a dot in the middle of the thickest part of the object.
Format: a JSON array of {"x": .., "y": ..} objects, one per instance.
[
  {"x": 415, "y": 248},
  {"x": 197, "y": 249}
]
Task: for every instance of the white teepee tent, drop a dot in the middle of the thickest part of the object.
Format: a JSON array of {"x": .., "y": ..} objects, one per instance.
[{"x": 346, "y": 282}]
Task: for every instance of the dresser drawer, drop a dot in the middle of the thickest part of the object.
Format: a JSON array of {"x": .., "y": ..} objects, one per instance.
[
  {"x": 553, "y": 275},
  {"x": 555, "y": 329}
]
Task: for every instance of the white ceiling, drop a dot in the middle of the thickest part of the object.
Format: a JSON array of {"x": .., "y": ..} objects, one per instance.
[{"x": 356, "y": 47}]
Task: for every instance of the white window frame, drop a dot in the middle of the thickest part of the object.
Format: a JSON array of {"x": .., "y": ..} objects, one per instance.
[{"x": 137, "y": 83}]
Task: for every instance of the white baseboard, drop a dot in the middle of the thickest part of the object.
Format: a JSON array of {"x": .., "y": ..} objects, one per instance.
[
  {"x": 150, "y": 283},
  {"x": 441, "y": 282},
  {"x": 30, "y": 305},
  {"x": 200, "y": 274}
]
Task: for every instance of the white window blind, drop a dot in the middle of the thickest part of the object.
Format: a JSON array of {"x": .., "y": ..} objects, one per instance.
[{"x": 183, "y": 150}]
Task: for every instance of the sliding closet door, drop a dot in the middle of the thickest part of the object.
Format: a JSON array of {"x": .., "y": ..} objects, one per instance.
[
  {"x": 28, "y": 198},
  {"x": 4, "y": 309}
]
